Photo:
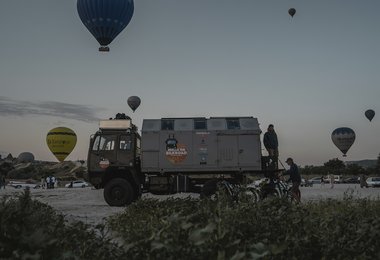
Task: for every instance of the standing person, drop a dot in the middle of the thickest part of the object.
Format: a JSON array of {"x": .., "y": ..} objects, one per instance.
[
  {"x": 52, "y": 181},
  {"x": 42, "y": 183},
  {"x": 48, "y": 182},
  {"x": 271, "y": 144},
  {"x": 322, "y": 182},
  {"x": 295, "y": 177},
  {"x": 4, "y": 183},
  {"x": 332, "y": 181},
  {"x": 363, "y": 182}
]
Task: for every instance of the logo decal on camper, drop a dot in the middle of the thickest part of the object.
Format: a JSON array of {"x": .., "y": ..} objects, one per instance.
[{"x": 175, "y": 152}]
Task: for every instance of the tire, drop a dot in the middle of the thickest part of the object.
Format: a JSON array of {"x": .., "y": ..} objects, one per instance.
[
  {"x": 209, "y": 189},
  {"x": 118, "y": 192},
  {"x": 83, "y": 186}
]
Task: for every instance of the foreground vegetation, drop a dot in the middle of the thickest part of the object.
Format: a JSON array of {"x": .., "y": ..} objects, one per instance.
[{"x": 193, "y": 229}]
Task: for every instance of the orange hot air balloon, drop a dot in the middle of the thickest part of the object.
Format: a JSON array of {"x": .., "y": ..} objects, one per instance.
[{"x": 61, "y": 142}]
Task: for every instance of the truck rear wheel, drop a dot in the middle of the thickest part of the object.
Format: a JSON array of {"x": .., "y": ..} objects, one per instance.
[
  {"x": 118, "y": 192},
  {"x": 209, "y": 189}
]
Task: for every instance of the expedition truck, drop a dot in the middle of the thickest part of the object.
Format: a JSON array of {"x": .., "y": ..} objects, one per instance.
[{"x": 172, "y": 155}]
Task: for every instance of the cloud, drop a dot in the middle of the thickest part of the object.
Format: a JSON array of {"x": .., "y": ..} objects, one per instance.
[{"x": 9, "y": 107}]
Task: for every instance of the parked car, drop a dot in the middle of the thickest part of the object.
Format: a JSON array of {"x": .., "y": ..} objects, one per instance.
[
  {"x": 351, "y": 180},
  {"x": 306, "y": 183},
  {"x": 373, "y": 182},
  {"x": 77, "y": 184},
  {"x": 23, "y": 185},
  {"x": 315, "y": 180}
]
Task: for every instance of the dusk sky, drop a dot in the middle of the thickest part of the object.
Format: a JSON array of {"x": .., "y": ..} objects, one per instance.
[{"x": 307, "y": 75}]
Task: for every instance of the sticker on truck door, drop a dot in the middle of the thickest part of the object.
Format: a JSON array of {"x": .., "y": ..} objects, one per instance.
[{"x": 175, "y": 152}]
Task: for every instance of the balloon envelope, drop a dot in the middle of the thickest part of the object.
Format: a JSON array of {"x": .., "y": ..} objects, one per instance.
[
  {"x": 61, "y": 141},
  {"x": 343, "y": 138},
  {"x": 134, "y": 102},
  {"x": 292, "y": 12},
  {"x": 369, "y": 114},
  {"x": 25, "y": 157},
  {"x": 105, "y": 19}
]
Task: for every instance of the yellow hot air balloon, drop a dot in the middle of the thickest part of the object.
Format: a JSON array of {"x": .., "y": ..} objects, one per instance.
[{"x": 61, "y": 141}]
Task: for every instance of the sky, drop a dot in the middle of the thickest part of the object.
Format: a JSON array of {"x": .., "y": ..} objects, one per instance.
[{"x": 307, "y": 75}]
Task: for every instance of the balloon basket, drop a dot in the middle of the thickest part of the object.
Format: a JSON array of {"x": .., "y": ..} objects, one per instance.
[{"x": 104, "y": 49}]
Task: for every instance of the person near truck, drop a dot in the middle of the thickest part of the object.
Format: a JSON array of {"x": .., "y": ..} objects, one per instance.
[
  {"x": 271, "y": 144},
  {"x": 295, "y": 178}
]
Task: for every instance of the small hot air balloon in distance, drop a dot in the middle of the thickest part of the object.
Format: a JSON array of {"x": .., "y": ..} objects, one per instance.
[
  {"x": 369, "y": 114},
  {"x": 292, "y": 12},
  {"x": 105, "y": 19},
  {"x": 343, "y": 138},
  {"x": 25, "y": 157},
  {"x": 134, "y": 102},
  {"x": 61, "y": 142}
]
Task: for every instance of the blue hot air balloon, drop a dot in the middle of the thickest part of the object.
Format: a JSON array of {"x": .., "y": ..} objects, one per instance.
[
  {"x": 343, "y": 138},
  {"x": 105, "y": 19}
]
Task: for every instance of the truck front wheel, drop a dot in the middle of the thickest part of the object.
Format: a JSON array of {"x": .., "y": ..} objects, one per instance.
[{"x": 118, "y": 192}]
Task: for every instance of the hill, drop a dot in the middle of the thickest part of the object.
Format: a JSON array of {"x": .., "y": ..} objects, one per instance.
[
  {"x": 36, "y": 170},
  {"x": 363, "y": 163}
]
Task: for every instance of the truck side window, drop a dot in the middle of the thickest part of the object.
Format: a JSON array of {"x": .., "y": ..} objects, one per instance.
[
  {"x": 200, "y": 124},
  {"x": 167, "y": 124},
  {"x": 125, "y": 143},
  {"x": 233, "y": 123}
]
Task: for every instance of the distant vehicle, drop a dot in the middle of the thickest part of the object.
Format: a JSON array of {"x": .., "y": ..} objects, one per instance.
[
  {"x": 373, "y": 182},
  {"x": 315, "y": 180},
  {"x": 306, "y": 183},
  {"x": 351, "y": 180},
  {"x": 23, "y": 185},
  {"x": 338, "y": 179},
  {"x": 77, "y": 184}
]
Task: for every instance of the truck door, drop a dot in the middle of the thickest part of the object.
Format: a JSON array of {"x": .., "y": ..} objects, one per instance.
[
  {"x": 227, "y": 151},
  {"x": 249, "y": 151},
  {"x": 125, "y": 150},
  {"x": 103, "y": 148}
]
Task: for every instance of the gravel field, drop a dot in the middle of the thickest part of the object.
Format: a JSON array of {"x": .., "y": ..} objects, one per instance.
[{"x": 88, "y": 205}]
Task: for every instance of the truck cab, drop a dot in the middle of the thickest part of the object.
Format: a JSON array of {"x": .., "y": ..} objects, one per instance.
[{"x": 114, "y": 161}]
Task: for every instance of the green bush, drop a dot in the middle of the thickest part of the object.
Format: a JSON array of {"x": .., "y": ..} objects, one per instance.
[
  {"x": 196, "y": 229},
  {"x": 192, "y": 229},
  {"x": 33, "y": 230}
]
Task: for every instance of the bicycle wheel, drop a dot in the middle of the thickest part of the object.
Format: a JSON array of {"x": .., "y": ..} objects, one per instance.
[{"x": 249, "y": 195}]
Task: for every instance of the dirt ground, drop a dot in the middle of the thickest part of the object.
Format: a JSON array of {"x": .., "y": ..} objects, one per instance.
[{"x": 88, "y": 205}]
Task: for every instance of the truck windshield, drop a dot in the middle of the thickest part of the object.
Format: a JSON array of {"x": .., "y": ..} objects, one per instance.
[{"x": 104, "y": 143}]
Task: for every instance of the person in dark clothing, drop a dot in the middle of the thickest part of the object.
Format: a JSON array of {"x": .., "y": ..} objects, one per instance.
[
  {"x": 294, "y": 177},
  {"x": 271, "y": 144}
]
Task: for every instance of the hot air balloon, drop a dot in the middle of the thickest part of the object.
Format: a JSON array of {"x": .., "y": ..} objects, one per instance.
[
  {"x": 61, "y": 141},
  {"x": 343, "y": 138},
  {"x": 25, "y": 157},
  {"x": 292, "y": 12},
  {"x": 369, "y": 114},
  {"x": 105, "y": 19},
  {"x": 134, "y": 102}
]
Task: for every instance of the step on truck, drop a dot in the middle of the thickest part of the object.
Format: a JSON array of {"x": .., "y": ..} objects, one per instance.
[{"x": 173, "y": 155}]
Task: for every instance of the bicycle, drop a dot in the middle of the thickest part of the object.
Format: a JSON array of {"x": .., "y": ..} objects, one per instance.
[
  {"x": 277, "y": 188},
  {"x": 236, "y": 192}
]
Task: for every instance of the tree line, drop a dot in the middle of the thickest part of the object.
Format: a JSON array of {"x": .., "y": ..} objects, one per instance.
[{"x": 338, "y": 167}]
